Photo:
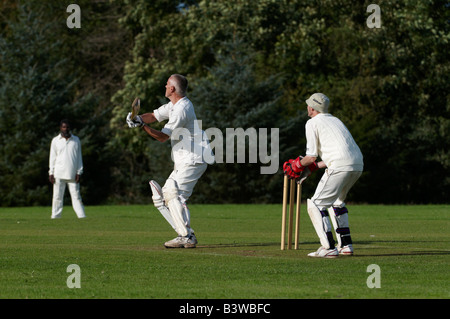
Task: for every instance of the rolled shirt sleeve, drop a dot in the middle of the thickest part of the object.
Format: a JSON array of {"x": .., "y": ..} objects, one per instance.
[
  {"x": 162, "y": 113},
  {"x": 311, "y": 140}
]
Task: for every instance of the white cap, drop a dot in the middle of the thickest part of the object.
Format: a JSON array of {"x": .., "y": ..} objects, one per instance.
[{"x": 319, "y": 101}]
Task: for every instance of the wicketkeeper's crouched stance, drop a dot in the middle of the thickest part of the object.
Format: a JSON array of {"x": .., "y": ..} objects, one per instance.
[
  {"x": 191, "y": 154},
  {"x": 328, "y": 138}
]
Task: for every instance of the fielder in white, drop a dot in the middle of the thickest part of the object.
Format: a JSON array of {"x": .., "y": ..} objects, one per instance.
[
  {"x": 191, "y": 154},
  {"x": 66, "y": 167},
  {"x": 328, "y": 138}
]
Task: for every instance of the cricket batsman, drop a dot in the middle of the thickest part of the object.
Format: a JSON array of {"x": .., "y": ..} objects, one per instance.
[
  {"x": 328, "y": 138},
  {"x": 191, "y": 154}
]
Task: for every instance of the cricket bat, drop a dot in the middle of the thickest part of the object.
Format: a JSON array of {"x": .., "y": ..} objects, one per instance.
[{"x": 135, "y": 107}]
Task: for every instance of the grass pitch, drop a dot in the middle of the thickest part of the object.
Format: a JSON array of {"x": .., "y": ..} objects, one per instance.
[{"x": 120, "y": 252}]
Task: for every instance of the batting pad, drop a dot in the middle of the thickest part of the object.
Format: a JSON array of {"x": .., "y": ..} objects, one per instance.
[
  {"x": 318, "y": 223},
  {"x": 158, "y": 201},
  {"x": 170, "y": 192},
  {"x": 339, "y": 221}
]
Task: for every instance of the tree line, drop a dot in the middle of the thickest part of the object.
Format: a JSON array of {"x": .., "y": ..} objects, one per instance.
[{"x": 250, "y": 64}]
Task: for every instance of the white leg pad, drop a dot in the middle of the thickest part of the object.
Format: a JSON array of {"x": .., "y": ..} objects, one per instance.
[
  {"x": 335, "y": 225},
  {"x": 318, "y": 223},
  {"x": 187, "y": 218},
  {"x": 186, "y": 215},
  {"x": 171, "y": 197},
  {"x": 340, "y": 221},
  {"x": 158, "y": 200}
]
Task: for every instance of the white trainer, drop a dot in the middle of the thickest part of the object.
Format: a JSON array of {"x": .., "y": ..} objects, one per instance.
[
  {"x": 175, "y": 243},
  {"x": 193, "y": 238},
  {"x": 325, "y": 253},
  {"x": 190, "y": 242},
  {"x": 346, "y": 250},
  {"x": 182, "y": 242}
]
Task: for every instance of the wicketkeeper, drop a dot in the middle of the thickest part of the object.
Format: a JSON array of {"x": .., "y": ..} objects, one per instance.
[
  {"x": 328, "y": 138},
  {"x": 191, "y": 154}
]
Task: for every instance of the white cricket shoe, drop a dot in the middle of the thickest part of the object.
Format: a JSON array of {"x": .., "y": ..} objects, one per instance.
[
  {"x": 325, "y": 253},
  {"x": 182, "y": 242},
  {"x": 190, "y": 242},
  {"x": 193, "y": 238},
  {"x": 174, "y": 243},
  {"x": 346, "y": 250}
]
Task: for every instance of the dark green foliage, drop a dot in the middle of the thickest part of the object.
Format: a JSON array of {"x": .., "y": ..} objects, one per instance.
[
  {"x": 250, "y": 64},
  {"x": 231, "y": 96},
  {"x": 44, "y": 79},
  {"x": 35, "y": 91}
]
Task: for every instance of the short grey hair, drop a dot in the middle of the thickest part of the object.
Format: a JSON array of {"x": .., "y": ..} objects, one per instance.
[{"x": 180, "y": 83}]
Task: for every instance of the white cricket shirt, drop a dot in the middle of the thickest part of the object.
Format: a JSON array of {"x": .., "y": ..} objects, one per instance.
[
  {"x": 328, "y": 138},
  {"x": 190, "y": 144},
  {"x": 65, "y": 157}
]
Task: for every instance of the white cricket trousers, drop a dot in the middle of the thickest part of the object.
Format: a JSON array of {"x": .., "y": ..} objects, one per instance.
[
  {"x": 186, "y": 177},
  {"x": 58, "y": 197},
  {"x": 333, "y": 188}
]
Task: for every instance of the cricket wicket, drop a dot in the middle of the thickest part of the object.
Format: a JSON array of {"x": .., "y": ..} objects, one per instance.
[{"x": 289, "y": 187}]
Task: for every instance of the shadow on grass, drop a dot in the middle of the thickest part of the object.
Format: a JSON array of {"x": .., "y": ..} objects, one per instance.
[
  {"x": 237, "y": 245},
  {"x": 228, "y": 245},
  {"x": 394, "y": 254},
  {"x": 407, "y": 253}
]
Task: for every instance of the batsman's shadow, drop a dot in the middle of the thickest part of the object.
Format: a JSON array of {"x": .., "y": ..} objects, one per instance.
[
  {"x": 387, "y": 245},
  {"x": 406, "y": 253},
  {"x": 365, "y": 251},
  {"x": 231, "y": 245}
]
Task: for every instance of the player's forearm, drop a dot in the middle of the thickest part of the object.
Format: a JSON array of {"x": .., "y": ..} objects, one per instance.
[
  {"x": 307, "y": 160},
  {"x": 157, "y": 135},
  {"x": 148, "y": 118}
]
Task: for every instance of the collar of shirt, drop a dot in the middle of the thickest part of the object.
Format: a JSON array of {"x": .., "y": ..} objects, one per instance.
[{"x": 62, "y": 137}]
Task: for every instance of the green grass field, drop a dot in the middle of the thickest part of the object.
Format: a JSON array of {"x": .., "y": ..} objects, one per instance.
[{"x": 120, "y": 252}]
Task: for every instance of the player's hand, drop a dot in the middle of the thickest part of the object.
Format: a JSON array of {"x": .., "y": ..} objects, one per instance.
[
  {"x": 313, "y": 167},
  {"x": 297, "y": 165},
  {"x": 130, "y": 123},
  {"x": 136, "y": 122},
  {"x": 289, "y": 171}
]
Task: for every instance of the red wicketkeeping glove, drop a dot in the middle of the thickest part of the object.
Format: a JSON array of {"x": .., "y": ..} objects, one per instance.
[
  {"x": 288, "y": 171},
  {"x": 313, "y": 167},
  {"x": 297, "y": 166},
  {"x": 293, "y": 168}
]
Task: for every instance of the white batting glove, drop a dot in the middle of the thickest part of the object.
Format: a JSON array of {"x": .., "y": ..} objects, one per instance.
[
  {"x": 136, "y": 122},
  {"x": 130, "y": 123}
]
